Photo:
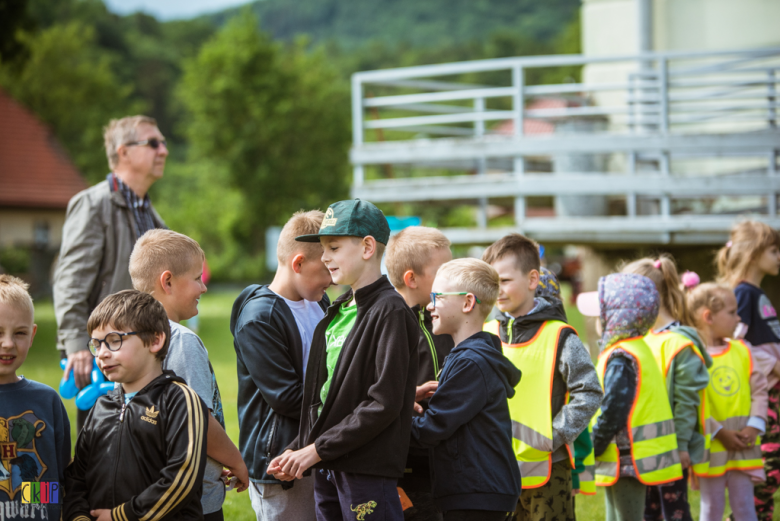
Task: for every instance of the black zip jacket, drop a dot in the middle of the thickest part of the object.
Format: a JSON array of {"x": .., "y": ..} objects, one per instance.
[
  {"x": 417, "y": 474},
  {"x": 469, "y": 431},
  {"x": 269, "y": 359},
  {"x": 141, "y": 460},
  {"x": 365, "y": 421}
]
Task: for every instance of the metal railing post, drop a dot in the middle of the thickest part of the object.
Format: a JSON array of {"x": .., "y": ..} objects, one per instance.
[
  {"x": 357, "y": 126},
  {"x": 666, "y": 204},
  {"x": 631, "y": 197},
  {"x": 663, "y": 80},
  {"x": 479, "y": 131},
  {"x": 772, "y": 196},
  {"x": 771, "y": 99},
  {"x": 518, "y": 105}
]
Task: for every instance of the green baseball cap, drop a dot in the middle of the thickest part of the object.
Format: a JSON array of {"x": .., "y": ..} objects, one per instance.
[{"x": 352, "y": 218}]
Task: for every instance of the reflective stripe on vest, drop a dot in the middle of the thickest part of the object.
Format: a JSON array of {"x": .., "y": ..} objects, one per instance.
[
  {"x": 588, "y": 476},
  {"x": 728, "y": 397},
  {"x": 665, "y": 346},
  {"x": 531, "y": 414},
  {"x": 650, "y": 424}
]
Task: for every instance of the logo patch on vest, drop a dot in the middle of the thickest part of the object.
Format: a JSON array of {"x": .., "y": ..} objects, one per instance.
[{"x": 725, "y": 381}]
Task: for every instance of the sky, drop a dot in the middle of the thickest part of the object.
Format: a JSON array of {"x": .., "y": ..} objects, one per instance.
[{"x": 171, "y": 9}]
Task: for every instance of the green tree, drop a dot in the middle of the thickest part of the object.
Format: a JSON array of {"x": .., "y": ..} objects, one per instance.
[
  {"x": 275, "y": 118},
  {"x": 69, "y": 83}
]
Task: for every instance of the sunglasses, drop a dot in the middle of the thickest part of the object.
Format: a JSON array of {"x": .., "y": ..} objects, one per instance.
[
  {"x": 153, "y": 142},
  {"x": 113, "y": 342},
  {"x": 434, "y": 295}
]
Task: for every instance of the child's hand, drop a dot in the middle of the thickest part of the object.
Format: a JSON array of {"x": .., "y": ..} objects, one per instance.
[
  {"x": 424, "y": 391},
  {"x": 275, "y": 467},
  {"x": 748, "y": 435},
  {"x": 730, "y": 439},
  {"x": 296, "y": 463},
  {"x": 242, "y": 475},
  {"x": 685, "y": 459},
  {"x": 574, "y": 492},
  {"x": 102, "y": 514}
]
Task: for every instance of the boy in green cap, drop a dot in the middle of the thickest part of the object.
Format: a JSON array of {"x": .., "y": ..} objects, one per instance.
[{"x": 359, "y": 390}]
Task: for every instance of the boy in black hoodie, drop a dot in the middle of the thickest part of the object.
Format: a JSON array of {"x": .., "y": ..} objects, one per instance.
[
  {"x": 467, "y": 424},
  {"x": 360, "y": 379}
]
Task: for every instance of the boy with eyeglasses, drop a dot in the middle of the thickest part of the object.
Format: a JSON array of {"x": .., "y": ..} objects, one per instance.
[
  {"x": 467, "y": 425},
  {"x": 142, "y": 451}
]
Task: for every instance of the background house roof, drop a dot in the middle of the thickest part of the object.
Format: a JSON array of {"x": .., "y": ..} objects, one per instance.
[{"x": 35, "y": 171}]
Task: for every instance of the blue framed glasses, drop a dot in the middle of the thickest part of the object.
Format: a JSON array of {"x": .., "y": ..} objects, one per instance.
[{"x": 434, "y": 295}]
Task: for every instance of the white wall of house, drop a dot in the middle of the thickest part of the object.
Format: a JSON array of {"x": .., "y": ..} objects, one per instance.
[{"x": 18, "y": 227}]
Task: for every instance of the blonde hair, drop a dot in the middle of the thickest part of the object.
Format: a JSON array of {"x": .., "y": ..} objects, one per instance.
[
  {"x": 707, "y": 296},
  {"x": 13, "y": 291},
  {"x": 747, "y": 242},
  {"x": 160, "y": 250},
  {"x": 301, "y": 223},
  {"x": 119, "y": 132},
  {"x": 667, "y": 282},
  {"x": 411, "y": 249},
  {"x": 475, "y": 276}
]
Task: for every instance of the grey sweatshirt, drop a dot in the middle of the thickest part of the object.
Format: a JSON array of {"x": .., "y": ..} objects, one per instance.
[{"x": 574, "y": 372}]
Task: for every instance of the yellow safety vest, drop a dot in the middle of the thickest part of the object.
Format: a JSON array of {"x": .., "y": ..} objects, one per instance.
[
  {"x": 588, "y": 476},
  {"x": 531, "y": 414},
  {"x": 650, "y": 424},
  {"x": 728, "y": 398},
  {"x": 665, "y": 346}
]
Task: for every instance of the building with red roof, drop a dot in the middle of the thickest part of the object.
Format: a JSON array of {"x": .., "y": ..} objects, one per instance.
[{"x": 37, "y": 179}]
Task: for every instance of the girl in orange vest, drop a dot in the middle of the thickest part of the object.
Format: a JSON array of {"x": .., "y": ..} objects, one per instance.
[
  {"x": 685, "y": 361},
  {"x": 714, "y": 309}
]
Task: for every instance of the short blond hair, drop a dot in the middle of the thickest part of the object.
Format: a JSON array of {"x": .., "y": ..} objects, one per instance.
[
  {"x": 160, "y": 250},
  {"x": 121, "y": 131},
  {"x": 475, "y": 276},
  {"x": 411, "y": 249},
  {"x": 13, "y": 291},
  {"x": 301, "y": 223}
]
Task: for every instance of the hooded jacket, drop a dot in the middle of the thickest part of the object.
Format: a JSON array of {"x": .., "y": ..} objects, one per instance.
[
  {"x": 365, "y": 421},
  {"x": 269, "y": 360},
  {"x": 469, "y": 431},
  {"x": 574, "y": 372},
  {"x": 144, "y": 459}
]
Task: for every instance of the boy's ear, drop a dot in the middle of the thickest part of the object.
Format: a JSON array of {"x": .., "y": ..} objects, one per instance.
[
  {"x": 369, "y": 247},
  {"x": 157, "y": 343},
  {"x": 469, "y": 303},
  {"x": 533, "y": 280},
  {"x": 165, "y": 281},
  {"x": 410, "y": 279},
  {"x": 297, "y": 261}
]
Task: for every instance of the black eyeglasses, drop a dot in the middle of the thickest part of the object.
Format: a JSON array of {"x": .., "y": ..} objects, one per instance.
[
  {"x": 113, "y": 342},
  {"x": 434, "y": 295},
  {"x": 153, "y": 142}
]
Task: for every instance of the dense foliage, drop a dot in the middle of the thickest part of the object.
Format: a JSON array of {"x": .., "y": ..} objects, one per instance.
[{"x": 254, "y": 101}]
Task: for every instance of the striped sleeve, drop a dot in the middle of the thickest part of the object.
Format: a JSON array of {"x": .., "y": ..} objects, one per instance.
[{"x": 181, "y": 476}]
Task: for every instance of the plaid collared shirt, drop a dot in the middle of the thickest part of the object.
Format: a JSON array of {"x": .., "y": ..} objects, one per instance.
[{"x": 141, "y": 207}]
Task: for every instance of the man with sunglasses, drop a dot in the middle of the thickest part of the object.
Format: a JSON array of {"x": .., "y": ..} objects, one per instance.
[{"x": 101, "y": 227}]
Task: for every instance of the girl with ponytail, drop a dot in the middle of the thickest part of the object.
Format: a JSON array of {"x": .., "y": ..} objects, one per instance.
[
  {"x": 683, "y": 360},
  {"x": 752, "y": 253}
]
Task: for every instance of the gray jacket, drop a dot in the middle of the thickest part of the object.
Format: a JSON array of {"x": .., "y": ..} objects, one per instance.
[{"x": 97, "y": 239}]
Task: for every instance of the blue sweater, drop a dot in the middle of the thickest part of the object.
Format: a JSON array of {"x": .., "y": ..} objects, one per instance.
[
  {"x": 468, "y": 429},
  {"x": 34, "y": 445}
]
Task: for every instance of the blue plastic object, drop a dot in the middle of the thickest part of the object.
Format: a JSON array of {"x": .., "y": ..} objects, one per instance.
[{"x": 86, "y": 397}]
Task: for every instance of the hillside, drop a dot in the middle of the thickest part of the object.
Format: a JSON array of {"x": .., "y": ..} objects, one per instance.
[{"x": 353, "y": 23}]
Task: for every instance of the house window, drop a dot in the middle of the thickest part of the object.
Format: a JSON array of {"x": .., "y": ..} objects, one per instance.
[{"x": 41, "y": 234}]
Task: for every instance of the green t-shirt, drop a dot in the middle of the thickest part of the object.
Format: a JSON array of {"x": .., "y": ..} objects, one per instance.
[{"x": 335, "y": 336}]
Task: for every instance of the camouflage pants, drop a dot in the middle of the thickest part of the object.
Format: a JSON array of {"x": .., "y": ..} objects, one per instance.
[
  {"x": 550, "y": 502},
  {"x": 770, "y": 449}
]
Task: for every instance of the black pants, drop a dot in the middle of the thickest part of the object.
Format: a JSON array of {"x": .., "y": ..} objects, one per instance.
[
  {"x": 668, "y": 501},
  {"x": 343, "y": 495},
  {"x": 214, "y": 516},
  {"x": 477, "y": 515}
]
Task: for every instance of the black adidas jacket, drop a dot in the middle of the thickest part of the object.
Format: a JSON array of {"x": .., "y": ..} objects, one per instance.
[
  {"x": 366, "y": 420},
  {"x": 142, "y": 460}
]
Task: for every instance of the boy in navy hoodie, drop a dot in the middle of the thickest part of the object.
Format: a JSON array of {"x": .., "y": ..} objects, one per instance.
[{"x": 467, "y": 425}]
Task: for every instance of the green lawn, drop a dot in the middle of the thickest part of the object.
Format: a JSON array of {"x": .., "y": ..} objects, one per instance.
[{"x": 43, "y": 365}]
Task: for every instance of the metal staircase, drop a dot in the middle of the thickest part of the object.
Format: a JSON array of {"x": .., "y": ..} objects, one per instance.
[{"x": 657, "y": 148}]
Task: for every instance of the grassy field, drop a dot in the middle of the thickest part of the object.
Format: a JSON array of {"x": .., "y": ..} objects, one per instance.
[{"x": 42, "y": 365}]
